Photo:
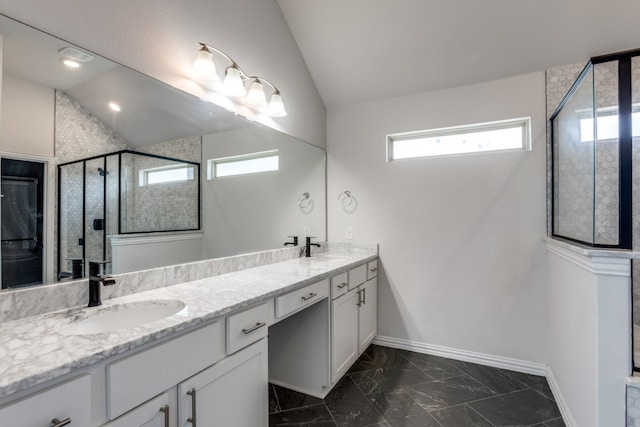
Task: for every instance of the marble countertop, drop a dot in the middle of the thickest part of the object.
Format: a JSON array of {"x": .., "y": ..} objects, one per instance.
[{"x": 33, "y": 350}]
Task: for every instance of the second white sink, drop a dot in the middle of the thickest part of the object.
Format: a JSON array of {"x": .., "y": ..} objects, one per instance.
[{"x": 121, "y": 316}]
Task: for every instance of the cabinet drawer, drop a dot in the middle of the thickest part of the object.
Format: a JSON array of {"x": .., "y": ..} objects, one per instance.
[
  {"x": 147, "y": 414},
  {"x": 339, "y": 285},
  {"x": 246, "y": 327},
  {"x": 357, "y": 276},
  {"x": 69, "y": 400},
  {"x": 137, "y": 378},
  {"x": 303, "y": 297},
  {"x": 372, "y": 269}
]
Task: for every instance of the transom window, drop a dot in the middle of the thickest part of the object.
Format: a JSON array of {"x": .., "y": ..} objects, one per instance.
[
  {"x": 502, "y": 135},
  {"x": 264, "y": 161},
  {"x": 166, "y": 174}
]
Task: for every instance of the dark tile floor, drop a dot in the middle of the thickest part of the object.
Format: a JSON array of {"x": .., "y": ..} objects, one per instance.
[{"x": 394, "y": 388}]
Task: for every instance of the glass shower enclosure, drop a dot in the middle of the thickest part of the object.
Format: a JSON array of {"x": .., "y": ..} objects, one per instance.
[
  {"x": 125, "y": 192},
  {"x": 595, "y": 161}
]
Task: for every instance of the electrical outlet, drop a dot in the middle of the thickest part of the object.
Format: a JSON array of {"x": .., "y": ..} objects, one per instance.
[
  {"x": 349, "y": 233},
  {"x": 307, "y": 232}
]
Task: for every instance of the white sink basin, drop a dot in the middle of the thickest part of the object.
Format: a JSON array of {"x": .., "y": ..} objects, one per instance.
[{"x": 121, "y": 316}]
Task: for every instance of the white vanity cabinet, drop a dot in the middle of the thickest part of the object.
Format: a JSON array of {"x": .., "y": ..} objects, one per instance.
[
  {"x": 354, "y": 317},
  {"x": 158, "y": 412},
  {"x": 70, "y": 401},
  {"x": 233, "y": 392}
]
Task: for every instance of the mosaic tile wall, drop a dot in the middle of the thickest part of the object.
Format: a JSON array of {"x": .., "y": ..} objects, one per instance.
[{"x": 80, "y": 135}]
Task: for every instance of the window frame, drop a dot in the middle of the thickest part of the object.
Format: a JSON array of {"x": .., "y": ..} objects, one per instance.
[
  {"x": 524, "y": 123},
  {"x": 212, "y": 164}
]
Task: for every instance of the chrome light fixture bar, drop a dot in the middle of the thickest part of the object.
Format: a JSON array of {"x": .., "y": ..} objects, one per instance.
[{"x": 234, "y": 82}]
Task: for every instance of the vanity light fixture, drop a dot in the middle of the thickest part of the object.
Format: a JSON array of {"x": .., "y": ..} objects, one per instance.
[{"x": 234, "y": 83}]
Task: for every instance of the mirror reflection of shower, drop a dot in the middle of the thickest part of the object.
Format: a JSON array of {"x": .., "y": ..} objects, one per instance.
[{"x": 121, "y": 193}]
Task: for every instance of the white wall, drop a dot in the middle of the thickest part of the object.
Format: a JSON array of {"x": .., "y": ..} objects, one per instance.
[
  {"x": 589, "y": 336},
  {"x": 159, "y": 38},
  {"x": 463, "y": 263},
  {"x": 27, "y": 125}
]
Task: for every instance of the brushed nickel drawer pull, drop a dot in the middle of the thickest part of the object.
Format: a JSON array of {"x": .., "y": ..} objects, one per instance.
[
  {"x": 374, "y": 269},
  {"x": 192, "y": 419},
  {"x": 165, "y": 410},
  {"x": 342, "y": 285},
  {"x": 308, "y": 297},
  {"x": 57, "y": 423},
  {"x": 253, "y": 328},
  {"x": 364, "y": 296},
  {"x": 359, "y": 303}
]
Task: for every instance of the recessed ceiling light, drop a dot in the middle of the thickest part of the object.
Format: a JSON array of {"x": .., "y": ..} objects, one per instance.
[
  {"x": 115, "y": 107},
  {"x": 71, "y": 63}
]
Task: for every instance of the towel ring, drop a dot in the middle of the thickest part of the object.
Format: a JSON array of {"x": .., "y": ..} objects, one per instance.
[
  {"x": 305, "y": 201},
  {"x": 348, "y": 201}
]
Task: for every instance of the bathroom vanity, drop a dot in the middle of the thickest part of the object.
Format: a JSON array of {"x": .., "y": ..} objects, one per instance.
[{"x": 299, "y": 323}]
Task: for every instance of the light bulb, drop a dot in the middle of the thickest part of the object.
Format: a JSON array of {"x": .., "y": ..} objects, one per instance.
[
  {"x": 114, "y": 106},
  {"x": 256, "y": 95},
  {"x": 203, "y": 66},
  {"x": 276, "y": 106},
  {"x": 233, "y": 83},
  {"x": 71, "y": 63}
]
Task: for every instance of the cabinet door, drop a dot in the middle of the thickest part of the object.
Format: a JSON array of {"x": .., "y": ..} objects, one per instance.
[
  {"x": 368, "y": 314},
  {"x": 233, "y": 392},
  {"x": 158, "y": 412},
  {"x": 344, "y": 333},
  {"x": 70, "y": 400}
]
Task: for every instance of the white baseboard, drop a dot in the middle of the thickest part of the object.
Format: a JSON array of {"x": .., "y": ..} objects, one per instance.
[
  {"x": 464, "y": 355},
  {"x": 567, "y": 417}
]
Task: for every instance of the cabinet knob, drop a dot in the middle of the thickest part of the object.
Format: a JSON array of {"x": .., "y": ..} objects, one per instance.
[
  {"x": 342, "y": 285},
  {"x": 374, "y": 269},
  {"x": 58, "y": 423}
]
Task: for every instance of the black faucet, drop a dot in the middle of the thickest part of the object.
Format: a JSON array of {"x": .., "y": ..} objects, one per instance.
[
  {"x": 96, "y": 278},
  {"x": 308, "y": 244},
  {"x": 294, "y": 243}
]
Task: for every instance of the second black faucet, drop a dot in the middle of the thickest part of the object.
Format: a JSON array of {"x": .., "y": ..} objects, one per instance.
[{"x": 307, "y": 246}]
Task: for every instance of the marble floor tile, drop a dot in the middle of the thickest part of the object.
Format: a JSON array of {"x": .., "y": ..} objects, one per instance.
[
  {"x": 436, "y": 367},
  {"x": 350, "y": 407},
  {"x": 399, "y": 409},
  {"x": 558, "y": 422},
  {"x": 524, "y": 407},
  {"x": 376, "y": 380},
  {"x": 289, "y": 399},
  {"x": 496, "y": 379},
  {"x": 376, "y": 357},
  {"x": 441, "y": 394},
  {"x": 274, "y": 406},
  {"x": 311, "y": 416},
  {"x": 534, "y": 382},
  {"x": 461, "y": 415}
]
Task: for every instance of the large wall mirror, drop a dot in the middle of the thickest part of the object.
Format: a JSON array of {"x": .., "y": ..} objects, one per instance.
[{"x": 100, "y": 162}]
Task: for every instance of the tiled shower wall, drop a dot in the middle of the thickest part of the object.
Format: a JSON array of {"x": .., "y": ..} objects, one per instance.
[{"x": 80, "y": 135}]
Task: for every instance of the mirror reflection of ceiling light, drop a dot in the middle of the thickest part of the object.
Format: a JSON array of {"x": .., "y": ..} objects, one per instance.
[
  {"x": 234, "y": 83},
  {"x": 71, "y": 63},
  {"x": 114, "y": 106}
]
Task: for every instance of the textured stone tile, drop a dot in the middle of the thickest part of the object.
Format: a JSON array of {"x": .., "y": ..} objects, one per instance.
[
  {"x": 441, "y": 394},
  {"x": 313, "y": 416},
  {"x": 274, "y": 406},
  {"x": 376, "y": 357},
  {"x": 461, "y": 415},
  {"x": 399, "y": 409},
  {"x": 534, "y": 382},
  {"x": 375, "y": 380},
  {"x": 524, "y": 407},
  {"x": 350, "y": 407},
  {"x": 496, "y": 379},
  {"x": 289, "y": 399},
  {"x": 436, "y": 367}
]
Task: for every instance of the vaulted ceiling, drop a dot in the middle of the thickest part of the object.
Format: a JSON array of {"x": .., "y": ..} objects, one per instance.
[{"x": 362, "y": 50}]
